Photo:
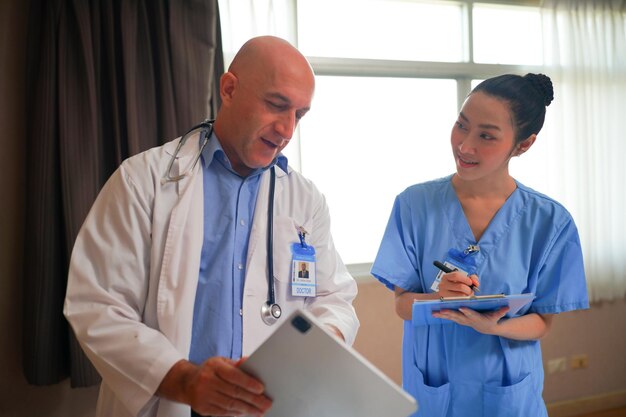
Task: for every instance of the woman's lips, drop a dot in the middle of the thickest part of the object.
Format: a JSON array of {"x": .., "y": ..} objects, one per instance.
[{"x": 465, "y": 163}]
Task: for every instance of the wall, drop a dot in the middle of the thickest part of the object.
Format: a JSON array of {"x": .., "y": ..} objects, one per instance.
[
  {"x": 380, "y": 337},
  {"x": 600, "y": 332}
]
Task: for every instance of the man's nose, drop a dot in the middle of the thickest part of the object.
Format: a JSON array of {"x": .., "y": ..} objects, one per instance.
[{"x": 285, "y": 125}]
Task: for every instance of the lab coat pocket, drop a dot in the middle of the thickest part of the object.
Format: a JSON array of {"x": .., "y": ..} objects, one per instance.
[
  {"x": 432, "y": 401},
  {"x": 518, "y": 400}
]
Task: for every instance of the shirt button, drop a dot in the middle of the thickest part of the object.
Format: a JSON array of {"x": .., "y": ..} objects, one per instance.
[
  {"x": 240, "y": 267},
  {"x": 241, "y": 312},
  {"x": 242, "y": 222}
]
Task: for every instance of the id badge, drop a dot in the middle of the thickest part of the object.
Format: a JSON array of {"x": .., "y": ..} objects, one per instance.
[
  {"x": 303, "y": 282},
  {"x": 461, "y": 260}
]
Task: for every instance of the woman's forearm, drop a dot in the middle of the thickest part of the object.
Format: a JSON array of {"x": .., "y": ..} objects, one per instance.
[
  {"x": 405, "y": 299},
  {"x": 531, "y": 326}
]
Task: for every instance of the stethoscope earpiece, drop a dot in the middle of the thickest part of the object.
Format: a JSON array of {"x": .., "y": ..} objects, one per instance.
[{"x": 270, "y": 313}]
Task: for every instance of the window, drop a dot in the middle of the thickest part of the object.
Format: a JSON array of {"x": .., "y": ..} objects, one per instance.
[
  {"x": 391, "y": 76},
  {"x": 390, "y": 82},
  {"x": 507, "y": 35},
  {"x": 381, "y": 29},
  {"x": 383, "y": 135}
]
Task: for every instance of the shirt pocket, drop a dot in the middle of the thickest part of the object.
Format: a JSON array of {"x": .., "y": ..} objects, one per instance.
[{"x": 522, "y": 399}]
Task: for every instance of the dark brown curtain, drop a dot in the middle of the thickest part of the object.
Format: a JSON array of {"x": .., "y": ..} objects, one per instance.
[{"x": 106, "y": 79}]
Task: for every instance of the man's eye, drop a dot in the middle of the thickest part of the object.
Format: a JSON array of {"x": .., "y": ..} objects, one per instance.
[{"x": 275, "y": 105}]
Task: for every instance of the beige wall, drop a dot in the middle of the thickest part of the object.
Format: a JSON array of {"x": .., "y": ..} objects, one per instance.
[{"x": 600, "y": 332}]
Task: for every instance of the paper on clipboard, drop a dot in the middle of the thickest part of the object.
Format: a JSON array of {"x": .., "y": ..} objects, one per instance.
[{"x": 422, "y": 310}]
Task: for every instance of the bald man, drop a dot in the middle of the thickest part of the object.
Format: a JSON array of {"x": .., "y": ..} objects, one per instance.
[{"x": 169, "y": 274}]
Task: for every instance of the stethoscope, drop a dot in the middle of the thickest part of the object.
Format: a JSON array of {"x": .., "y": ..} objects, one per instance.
[{"x": 270, "y": 310}]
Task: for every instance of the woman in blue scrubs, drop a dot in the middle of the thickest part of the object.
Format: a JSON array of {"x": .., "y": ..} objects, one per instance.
[{"x": 504, "y": 238}]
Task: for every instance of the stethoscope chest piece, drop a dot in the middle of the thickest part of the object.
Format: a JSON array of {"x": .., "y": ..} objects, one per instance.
[{"x": 270, "y": 313}]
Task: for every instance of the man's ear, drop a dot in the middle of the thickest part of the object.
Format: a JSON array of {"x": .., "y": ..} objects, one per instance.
[
  {"x": 228, "y": 85},
  {"x": 525, "y": 145}
]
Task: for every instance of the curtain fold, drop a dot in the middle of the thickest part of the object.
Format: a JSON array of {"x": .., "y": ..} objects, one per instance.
[
  {"x": 585, "y": 52},
  {"x": 106, "y": 80}
]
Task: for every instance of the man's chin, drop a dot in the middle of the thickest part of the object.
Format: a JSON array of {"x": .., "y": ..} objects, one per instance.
[{"x": 263, "y": 162}]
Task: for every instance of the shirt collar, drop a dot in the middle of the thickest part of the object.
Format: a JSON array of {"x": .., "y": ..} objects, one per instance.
[{"x": 213, "y": 151}]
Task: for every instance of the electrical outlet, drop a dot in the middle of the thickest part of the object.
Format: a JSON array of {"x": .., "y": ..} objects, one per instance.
[
  {"x": 556, "y": 365},
  {"x": 579, "y": 361}
]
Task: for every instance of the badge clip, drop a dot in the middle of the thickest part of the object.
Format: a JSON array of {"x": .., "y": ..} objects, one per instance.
[{"x": 302, "y": 235}]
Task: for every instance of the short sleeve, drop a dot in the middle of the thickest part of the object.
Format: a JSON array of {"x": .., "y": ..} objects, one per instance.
[
  {"x": 395, "y": 263},
  {"x": 561, "y": 284}
]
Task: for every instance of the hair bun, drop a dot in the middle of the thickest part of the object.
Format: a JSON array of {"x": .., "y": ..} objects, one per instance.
[{"x": 543, "y": 85}]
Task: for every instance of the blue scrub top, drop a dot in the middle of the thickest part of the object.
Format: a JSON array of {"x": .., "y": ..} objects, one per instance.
[{"x": 530, "y": 246}]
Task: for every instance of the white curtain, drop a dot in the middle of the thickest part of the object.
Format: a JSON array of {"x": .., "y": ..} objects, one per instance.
[{"x": 585, "y": 54}]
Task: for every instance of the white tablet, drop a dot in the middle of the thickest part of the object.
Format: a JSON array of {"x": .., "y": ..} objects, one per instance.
[{"x": 309, "y": 372}]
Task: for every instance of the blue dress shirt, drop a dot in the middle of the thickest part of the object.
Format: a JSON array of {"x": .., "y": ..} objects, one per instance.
[{"x": 229, "y": 202}]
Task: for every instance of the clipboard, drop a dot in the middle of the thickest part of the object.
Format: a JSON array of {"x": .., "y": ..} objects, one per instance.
[
  {"x": 309, "y": 372},
  {"x": 423, "y": 310}
]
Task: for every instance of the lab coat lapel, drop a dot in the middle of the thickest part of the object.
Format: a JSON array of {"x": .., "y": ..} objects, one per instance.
[{"x": 183, "y": 243}]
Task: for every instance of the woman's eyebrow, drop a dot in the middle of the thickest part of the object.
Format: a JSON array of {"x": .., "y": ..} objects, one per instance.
[{"x": 482, "y": 126}]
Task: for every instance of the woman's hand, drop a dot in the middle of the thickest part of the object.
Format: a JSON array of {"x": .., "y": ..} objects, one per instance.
[{"x": 457, "y": 284}]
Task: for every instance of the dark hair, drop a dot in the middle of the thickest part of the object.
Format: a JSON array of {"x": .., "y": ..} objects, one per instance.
[{"x": 527, "y": 96}]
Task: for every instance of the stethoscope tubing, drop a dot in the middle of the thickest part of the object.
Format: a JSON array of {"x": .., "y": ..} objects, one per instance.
[{"x": 271, "y": 297}]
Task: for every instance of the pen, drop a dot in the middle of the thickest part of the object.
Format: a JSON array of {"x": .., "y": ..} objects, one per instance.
[{"x": 447, "y": 270}]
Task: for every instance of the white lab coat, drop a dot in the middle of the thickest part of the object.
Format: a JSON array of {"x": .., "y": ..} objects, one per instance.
[{"x": 134, "y": 271}]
